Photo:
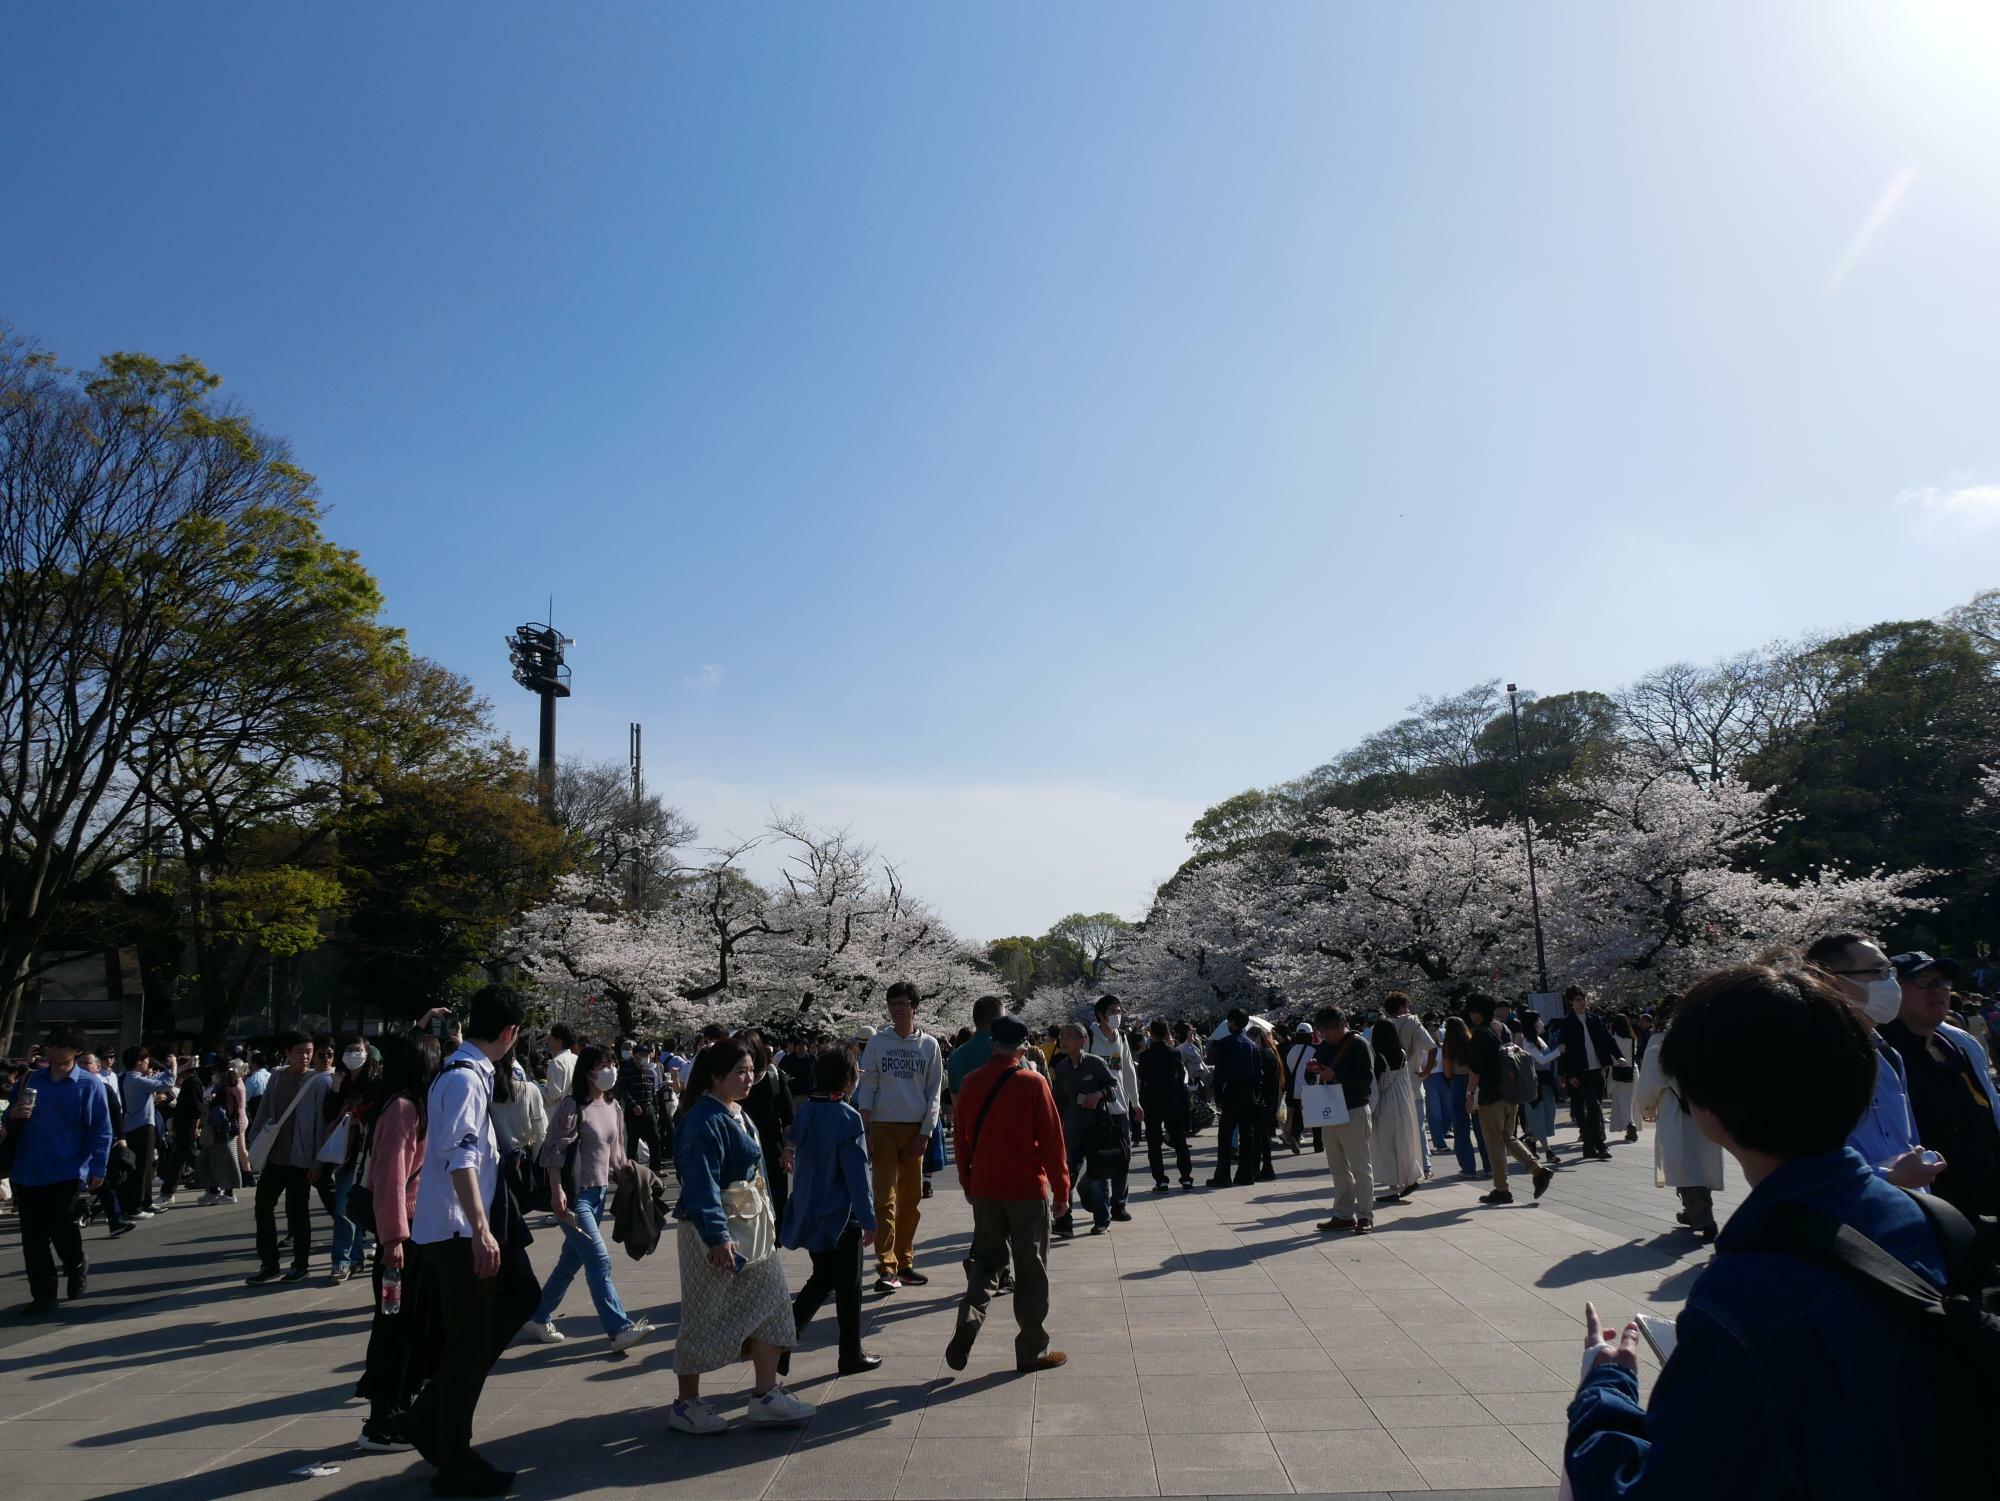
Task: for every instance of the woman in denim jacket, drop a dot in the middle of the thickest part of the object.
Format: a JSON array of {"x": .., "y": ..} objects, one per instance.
[{"x": 727, "y": 1303}]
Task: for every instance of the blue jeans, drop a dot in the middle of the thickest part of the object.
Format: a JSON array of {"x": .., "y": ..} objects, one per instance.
[
  {"x": 1437, "y": 1112},
  {"x": 348, "y": 1241},
  {"x": 584, "y": 1248},
  {"x": 1091, "y": 1193},
  {"x": 1463, "y": 1131}
]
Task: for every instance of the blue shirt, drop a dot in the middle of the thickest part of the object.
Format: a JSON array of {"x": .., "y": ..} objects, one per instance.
[
  {"x": 1788, "y": 1382},
  {"x": 713, "y": 1148},
  {"x": 1888, "y": 1127},
  {"x": 1235, "y": 1061},
  {"x": 137, "y": 1091},
  {"x": 967, "y": 1056},
  {"x": 831, "y": 1186},
  {"x": 68, "y": 1138}
]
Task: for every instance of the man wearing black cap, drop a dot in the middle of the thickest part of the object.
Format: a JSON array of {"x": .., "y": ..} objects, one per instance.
[{"x": 1951, "y": 1087}]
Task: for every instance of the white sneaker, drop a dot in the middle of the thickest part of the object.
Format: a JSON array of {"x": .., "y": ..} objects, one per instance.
[
  {"x": 547, "y": 1333},
  {"x": 778, "y": 1406},
  {"x": 631, "y": 1334},
  {"x": 145, "y": 1214},
  {"x": 207, "y": 1199},
  {"x": 696, "y": 1416},
  {"x": 227, "y": 1199}
]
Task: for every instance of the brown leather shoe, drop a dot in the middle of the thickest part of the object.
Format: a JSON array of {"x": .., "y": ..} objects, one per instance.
[{"x": 1048, "y": 1360}]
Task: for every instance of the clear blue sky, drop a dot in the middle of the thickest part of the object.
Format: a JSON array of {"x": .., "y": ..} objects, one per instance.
[{"x": 1013, "y": 428}]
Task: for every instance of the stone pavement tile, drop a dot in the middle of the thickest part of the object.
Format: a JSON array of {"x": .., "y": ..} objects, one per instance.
[
  {"x": 1306, "y": 1415},
  {"x": 1215, "y": 1384},
  {"x": 1441, "y": 1411},
  {"x": 1544, "y": 1441},
  {"x": 975, "y": 1420},
  {"x": 1521, "y": 1373},
  {"x": 1054, "y": 1419},
  {"x": 1352, "y": 1460},
  {"x": 1402, "y": 1383},
  {"x": 858, "y": 1470},
  {"x": 1120, "y": 1454},
  {"x": 1212, "y": 1451},
  {"x": 1517, "y": 1408},
  {"x": 1262, "y": 1361},
  {"x": 1488, "y": 1456},
  {"x": 954, "y": 1456},
  {"x": 1293, "y": 1334},
  {"x": 1200, "y": 1419},
  {"x": 1055, "y": 1485},
  {"x": 993, "y": 1485},
  {"x": 1262, "y": 1480},
  {"x": 1380, "y": 1355},
  {"x": 1280, "y": 1386}
]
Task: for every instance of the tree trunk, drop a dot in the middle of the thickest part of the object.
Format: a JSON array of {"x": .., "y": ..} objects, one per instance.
[{"x": 10, "y": 1014}]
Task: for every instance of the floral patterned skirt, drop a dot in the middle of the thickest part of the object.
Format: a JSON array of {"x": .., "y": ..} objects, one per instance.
[{"x": 720, "y": 1310}]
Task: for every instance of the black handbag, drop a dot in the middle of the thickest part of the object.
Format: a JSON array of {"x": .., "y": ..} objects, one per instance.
[{"x": 1105, "y": 1147}]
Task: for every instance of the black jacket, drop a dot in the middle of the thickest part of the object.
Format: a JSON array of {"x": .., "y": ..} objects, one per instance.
[
  {"x": 1163, "y": 1083},
  {"x": 1353, "y": 1065},
  {"x": 1569, "y": 1036}
]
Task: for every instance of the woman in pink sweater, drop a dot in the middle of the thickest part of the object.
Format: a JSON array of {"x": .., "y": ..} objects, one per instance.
[{"x": 393, "y": 1156}]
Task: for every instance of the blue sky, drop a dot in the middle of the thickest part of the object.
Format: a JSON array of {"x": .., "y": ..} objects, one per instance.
[{"x": 1012, "y": 428}]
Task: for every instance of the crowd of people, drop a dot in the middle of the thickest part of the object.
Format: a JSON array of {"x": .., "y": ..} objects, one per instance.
[{"x": 438, "y": 1144}]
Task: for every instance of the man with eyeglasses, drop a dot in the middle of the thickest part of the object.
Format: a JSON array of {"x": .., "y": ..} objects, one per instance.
[
  {"x": 1951, "y": 1087},
  {"x": 1886, "y": 1134}
]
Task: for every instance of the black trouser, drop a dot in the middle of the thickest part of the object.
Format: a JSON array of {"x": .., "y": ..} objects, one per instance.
[
  {"x": 480, "y": 1317},
  {"x": 1236, "y": 1134},
  {"x": 49, "y": 1232},
  {"x": 1586, "y": 1096},
  {"x": 836, "y": 1271},
  {"x": 289, "y": 1182},
  {"x": 179, "y": 1150},
  {"x": 136, "y": 1192},
  {"x": 1163, "y": 1128},
  {"x": 397, "y": 1352}
]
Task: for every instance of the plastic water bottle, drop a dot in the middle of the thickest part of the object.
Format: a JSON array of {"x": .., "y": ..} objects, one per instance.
[{"x": 392, "y": 1290}]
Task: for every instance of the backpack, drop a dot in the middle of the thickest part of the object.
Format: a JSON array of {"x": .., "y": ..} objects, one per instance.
[
  {"x": 1518, "y": 1081},
  {"x": 1960, "y": 1326}
]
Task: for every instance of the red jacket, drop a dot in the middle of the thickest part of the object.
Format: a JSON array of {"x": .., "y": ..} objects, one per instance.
[{"x": 1024, "y": 1157}]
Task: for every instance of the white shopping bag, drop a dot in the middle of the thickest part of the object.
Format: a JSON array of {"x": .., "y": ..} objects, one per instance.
[{"x": 1323, "y": 1105}]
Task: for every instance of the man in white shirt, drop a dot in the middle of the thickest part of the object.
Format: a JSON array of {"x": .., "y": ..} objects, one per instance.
[
  {"x": 562, "y": 1064},
  {"x": 472, "y": 1249},
  {"x": 902, "y": 1076},
  {"x": 1107, "y": 1040}
]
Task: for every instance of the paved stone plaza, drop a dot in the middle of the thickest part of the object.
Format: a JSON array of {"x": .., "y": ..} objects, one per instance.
[{"x": 1219, "y": 1346}]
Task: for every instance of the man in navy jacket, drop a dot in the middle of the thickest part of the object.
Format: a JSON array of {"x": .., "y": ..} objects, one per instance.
[
  {"x": 1788, "y": 1380},
  {"x": 61, "y": 1143}
]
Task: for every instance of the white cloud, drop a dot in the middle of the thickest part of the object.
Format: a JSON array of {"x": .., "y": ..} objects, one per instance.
[
  {"x": 1959, "y": 502},
  {"x": 994, "y": 858},
  {"x": 709, "y": 677}
]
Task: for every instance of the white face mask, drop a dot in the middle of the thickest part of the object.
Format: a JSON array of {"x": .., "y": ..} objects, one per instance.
[
  {"x": 607, "y": 1079},
  {"x": 1884, "y": 1001},
  {"x": 1113, "y": 1020},
  {"x": 354, "y": 1059},
  {"x": 624, "y": 1052}
]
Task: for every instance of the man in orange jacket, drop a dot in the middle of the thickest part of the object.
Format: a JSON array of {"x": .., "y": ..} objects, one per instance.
[{"x": 1011, "y": 1164}]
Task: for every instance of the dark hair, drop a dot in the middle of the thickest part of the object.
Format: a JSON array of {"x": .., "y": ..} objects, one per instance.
[
  {"x": 986, "y": 1011},
  {"x": 132, "y": 1056},
  {"x": 1238, "y": 1018},
  {"x": 581, "y": 1080},
  {"x": 831, "y": 1073},
  {"x": 495, "y": 1008},
  {"x": 503, "y": 1078},
  {"x": 1821, "y": 951},
  {"x": 1157, "y": 1029},
  {"x": 902, "y": 990},
  {"x": 760, "y": 1050},
  {"x": 1395, "y": 1003},
  {"x": 1621, "y": 1025},
  {"x": 1478, "y": 1004},
  {"x": 1574, "y": 993},
  {"x": 1329, "y": 1016},
  {"x": 1825, "y": 1043},
  {"x": 1388, "y": 1046},
  {"x": 1105, "y": 1003},
  {"x": 289, "y": 1040},
  {"x": 716, "y": 1060},
  {"x": 562, "y": 1034},
  {"x": 408, "y": 1064},
  {"x": 715, "y": 1031}
]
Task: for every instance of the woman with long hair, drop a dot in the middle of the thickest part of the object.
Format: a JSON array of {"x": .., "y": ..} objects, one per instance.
[
  {"x": 1458, "y": 1080},
  {"x": 392, "y": 1154},
  {"x": 1538, "y": 1117},
  {"x": 730, "y": 1303},
  {"x": 1398, "y": 1153},
  {"x": 585, "y": 1149},
  {"x": 770, "y": 1108},
  {"x": 1270, "y": 1100},
  {"x": 1624, "y": 1076},
  {"x": 223, "y": 1118}
]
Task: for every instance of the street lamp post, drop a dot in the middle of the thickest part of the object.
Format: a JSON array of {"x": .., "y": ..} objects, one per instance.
[
  {"x": 536, "y": 651},
  {"x": 1528, "y": 828}
]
